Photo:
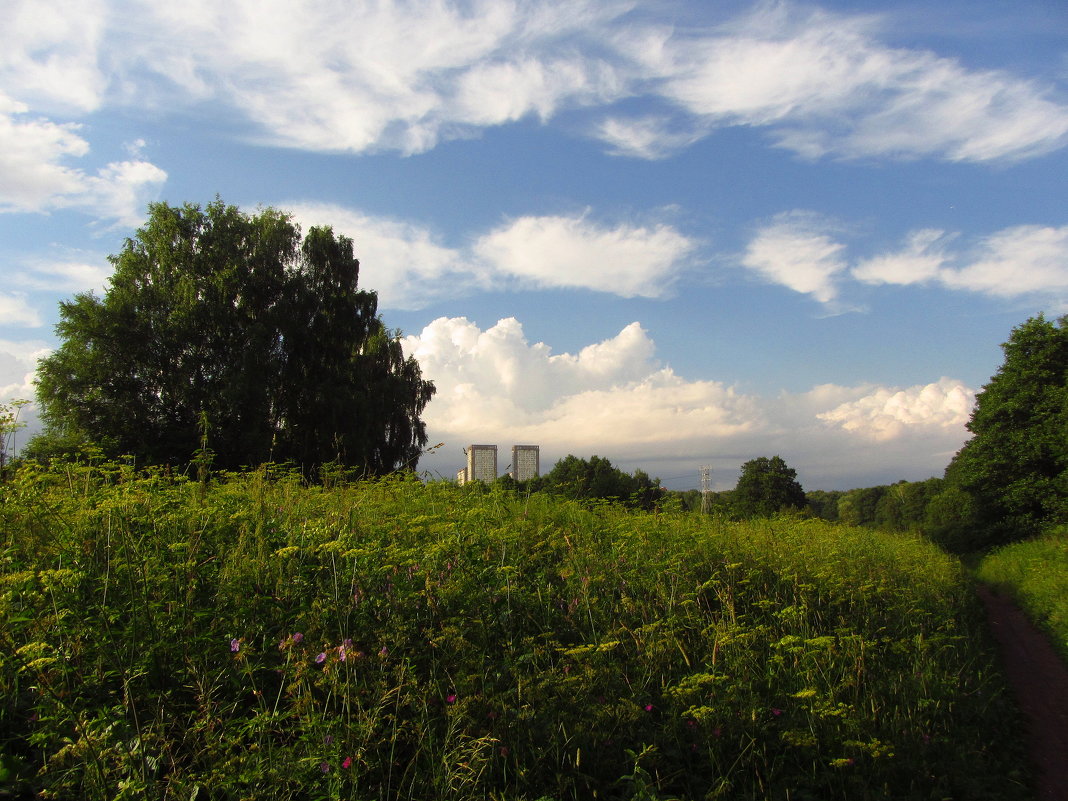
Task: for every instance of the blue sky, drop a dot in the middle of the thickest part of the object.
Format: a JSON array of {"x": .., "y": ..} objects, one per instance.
[{"x": 668, "y": 233}]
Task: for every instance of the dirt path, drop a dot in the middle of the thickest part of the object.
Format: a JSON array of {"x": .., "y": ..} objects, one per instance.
[{"x": 1039, "y": 680}]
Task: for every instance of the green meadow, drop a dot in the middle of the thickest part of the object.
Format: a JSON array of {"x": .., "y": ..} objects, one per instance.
[{"x": 253, "y": 637}]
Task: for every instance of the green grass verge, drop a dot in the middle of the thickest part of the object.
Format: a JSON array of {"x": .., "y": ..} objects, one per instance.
[{"x": 1035, "y": 574}]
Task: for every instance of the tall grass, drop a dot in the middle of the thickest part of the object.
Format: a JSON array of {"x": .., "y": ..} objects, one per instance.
[
  {"x": 1035, "y": 573},
  {"x": 387, "y": 640}
]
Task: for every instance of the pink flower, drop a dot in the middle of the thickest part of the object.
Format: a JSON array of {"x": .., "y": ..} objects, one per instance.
[
  {"x": 776, "y": 711},
  {"x": 648, "y": 707},
  {"x": 347, "y": 763},
  {"x": 450, "y": 699},
  {"x": 320, "y": 659},
  {"x": 297, "y": 638},
  {"x": 235, "y": 645}
]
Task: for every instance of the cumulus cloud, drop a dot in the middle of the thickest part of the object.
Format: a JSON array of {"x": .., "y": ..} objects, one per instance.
[
  {"x": 614, "y": 398},
  {"x": 885, "y": 413},
  {"x": 574, "y": 252},
  {"x": 410, "y": 267},
  {"x": 35, "y": 175},
  {"x": 796, "y": 251}
]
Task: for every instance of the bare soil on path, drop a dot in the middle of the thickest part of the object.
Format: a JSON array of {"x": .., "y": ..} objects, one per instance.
[{"x": 1038, "y": 678}]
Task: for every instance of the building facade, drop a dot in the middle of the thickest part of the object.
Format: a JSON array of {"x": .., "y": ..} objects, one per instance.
[
  {"x": 526, "y": 462},
  {"x": 481, "y": 463}
]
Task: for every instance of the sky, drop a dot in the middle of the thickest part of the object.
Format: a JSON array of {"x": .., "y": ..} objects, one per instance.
[{"x": 671, "y": 234}]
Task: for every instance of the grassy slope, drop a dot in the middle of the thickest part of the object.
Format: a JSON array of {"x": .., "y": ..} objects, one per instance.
[
  {"x": 1035, "y": 573},
  {"x": 390, "y": 640}
]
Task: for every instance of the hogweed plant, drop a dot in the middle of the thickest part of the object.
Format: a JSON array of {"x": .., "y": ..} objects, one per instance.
[{"x": 250, "y": 636}]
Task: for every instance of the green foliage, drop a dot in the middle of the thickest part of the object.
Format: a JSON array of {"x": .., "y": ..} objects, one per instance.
[
  {"x": 1015, "y": 467},
  {"x": 213, "y": 312},
  {"x": 388, "y": 640},
  {"x": 597, "y": 478},
  {"x": 9, "y": 426},
  {"x": 1035, "y": 573},
  {"x": 767, "y": 487},
  {"x": 824, "y": 503}
]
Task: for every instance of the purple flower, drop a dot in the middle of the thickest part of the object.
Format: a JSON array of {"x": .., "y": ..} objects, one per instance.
[
  {"x": 297, "y": 638},
  {"x": 320, "y": 659},
  {"x": 450, "y": 699},
  {"x": 235, "y": 645},
  {"x": 776, "y": 711},
  {"x": 648, "y": 707},
  {"x": 325, "y": 767}
]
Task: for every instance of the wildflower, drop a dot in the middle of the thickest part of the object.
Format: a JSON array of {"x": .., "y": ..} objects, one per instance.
[
  {"x": 297, "y": 638},
  {"x": 328, "y": 739},
  {"x": 717, "y": 732},
  {"x": 235, "y": 645},
  {"x": 320, "y": 658},
  {"x": 691, "y": 724},
  {"x": 450, "y": 699},
  {"x": 383, "y": 651},
  {"x": 325, "y": 767},
  {"x": 776, "y": 711},
  {"x": 347, "y": 763},
  {"x": 504, "y": 750},
  {"x": 648, "y": 707}
]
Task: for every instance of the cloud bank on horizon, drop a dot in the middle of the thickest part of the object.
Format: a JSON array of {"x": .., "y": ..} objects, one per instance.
[{"x": 890, "y": 173}]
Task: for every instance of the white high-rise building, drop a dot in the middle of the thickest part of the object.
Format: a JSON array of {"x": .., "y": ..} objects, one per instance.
[
  {"x": 525, "y": 462},
  {"x": 482, "y": 463}
]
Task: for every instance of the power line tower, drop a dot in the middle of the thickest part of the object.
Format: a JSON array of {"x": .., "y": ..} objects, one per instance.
[{"x": 706, "y": 489}]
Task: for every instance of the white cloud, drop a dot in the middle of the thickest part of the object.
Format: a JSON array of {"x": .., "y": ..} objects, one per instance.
[
  {"x": 16, "y": 310},
  {"x": 824, "y": 85},
  {"x": 796, "y": 252},
  {"x": 402, "y": 261},
  {"x": 35, "y": 176},
  {"x": 334, "y": 77},
  {"x": 921, "y": 260},
  {"x": 576, "y": 253},
  {"x": 885, "y": 413},
  {"x": 1025, "y": 260},
  {"x": 49, "y": 53},
  {"x": 646, "y": 137},
  {"x": 18, "y": 365},
  {"x": 614, "y": 399},
  {"x": 396, "y": 74},
  {"x": 409, "y": 268},
  {"x": 64, "y": 275},
  {"x": 1017, "y": 261}
]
